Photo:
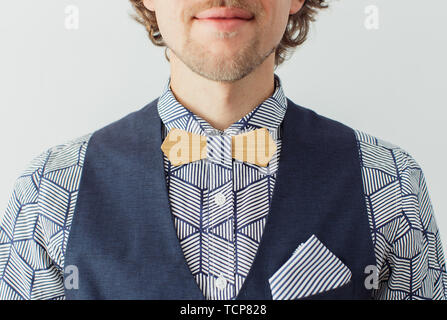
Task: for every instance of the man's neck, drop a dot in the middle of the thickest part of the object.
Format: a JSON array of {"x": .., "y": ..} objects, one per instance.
[{"x": 221, "y": 103}]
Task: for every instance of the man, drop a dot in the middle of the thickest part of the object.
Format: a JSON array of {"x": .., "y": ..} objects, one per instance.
[{"x": 222, "y": 188}]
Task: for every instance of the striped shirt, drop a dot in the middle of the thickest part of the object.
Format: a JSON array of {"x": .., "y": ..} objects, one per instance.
[{"x": 220, "y": 205}]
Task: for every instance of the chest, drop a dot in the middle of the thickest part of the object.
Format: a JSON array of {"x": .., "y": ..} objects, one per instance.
[{"x": 124, "y": 239}]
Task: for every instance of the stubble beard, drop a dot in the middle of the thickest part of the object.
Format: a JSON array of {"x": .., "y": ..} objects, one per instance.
[{"x": 222, "y": 68}]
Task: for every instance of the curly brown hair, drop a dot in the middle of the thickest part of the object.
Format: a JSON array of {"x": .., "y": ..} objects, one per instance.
[{"x": 295, "y": 34}]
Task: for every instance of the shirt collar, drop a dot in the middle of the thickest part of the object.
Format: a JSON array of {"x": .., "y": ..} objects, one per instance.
[{"x": 269, "y": 114}]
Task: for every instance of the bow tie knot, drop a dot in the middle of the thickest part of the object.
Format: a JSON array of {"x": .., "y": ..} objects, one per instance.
[{"x": 255, "y": 147}]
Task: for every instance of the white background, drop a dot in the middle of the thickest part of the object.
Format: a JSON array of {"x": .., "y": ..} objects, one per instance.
[{"x": 57, "y": 84}]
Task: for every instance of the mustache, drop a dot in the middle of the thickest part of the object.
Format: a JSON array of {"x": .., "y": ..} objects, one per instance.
[{"x": 254, "y": 7}]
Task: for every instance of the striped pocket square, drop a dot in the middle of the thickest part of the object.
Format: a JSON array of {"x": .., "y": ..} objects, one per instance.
[{"x": 310, "y": 270}]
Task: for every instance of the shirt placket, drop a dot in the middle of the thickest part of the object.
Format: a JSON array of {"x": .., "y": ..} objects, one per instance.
[{"x": 220, "y": 217}]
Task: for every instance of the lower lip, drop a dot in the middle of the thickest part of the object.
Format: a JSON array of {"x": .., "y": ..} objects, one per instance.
[{"x": 224, "y": 24}]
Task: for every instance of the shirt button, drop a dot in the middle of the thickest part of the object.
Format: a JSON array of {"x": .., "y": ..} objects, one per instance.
[
  {"x": 221, "y": 283},
  {"x": 219, "y": 199}
]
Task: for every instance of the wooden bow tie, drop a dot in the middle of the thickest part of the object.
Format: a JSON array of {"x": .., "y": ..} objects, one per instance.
[{"x": 256, "y": 147}]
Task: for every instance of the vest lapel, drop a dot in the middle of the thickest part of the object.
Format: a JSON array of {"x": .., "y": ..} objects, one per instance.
[
  {"x": 318, "y": 191},
  {"x": 123, "y": 239}
]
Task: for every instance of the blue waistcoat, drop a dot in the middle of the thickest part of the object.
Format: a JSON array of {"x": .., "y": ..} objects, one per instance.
[{"x": 123, "y": 239}]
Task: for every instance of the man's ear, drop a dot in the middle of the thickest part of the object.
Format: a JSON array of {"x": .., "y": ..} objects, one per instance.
[
  {"x": 296, "y": 6},
  {"x": 149, "y": 4}
]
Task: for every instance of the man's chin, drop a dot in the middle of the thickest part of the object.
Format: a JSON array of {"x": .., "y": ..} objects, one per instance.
[
  {"x": 221, "y": 73},
  {"x": 223, "y": 66}
]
